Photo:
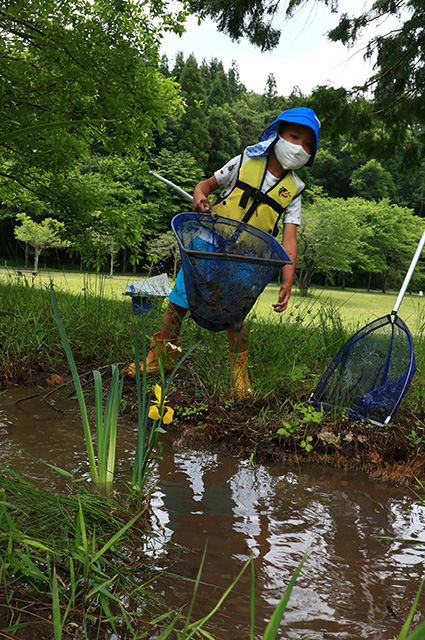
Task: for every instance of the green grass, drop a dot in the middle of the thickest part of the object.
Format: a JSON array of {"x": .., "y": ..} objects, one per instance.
[
  {"x": 355, "y": 307},
  {"x": 287, "y": 351},
  {"x": 76, "y": 282}
]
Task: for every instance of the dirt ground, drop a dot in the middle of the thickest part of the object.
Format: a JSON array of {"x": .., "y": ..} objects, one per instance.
[{"x": 249, "y": 430}]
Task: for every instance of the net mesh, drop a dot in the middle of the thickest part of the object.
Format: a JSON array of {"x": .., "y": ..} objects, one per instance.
[
  {"x": 226, "y": 265},
  {"x": 370, "y": 374}
]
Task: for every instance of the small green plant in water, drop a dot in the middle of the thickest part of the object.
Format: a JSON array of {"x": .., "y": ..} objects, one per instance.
[
  {"x": 102, "y": 473},
  {"x": 144, "y": 460}
]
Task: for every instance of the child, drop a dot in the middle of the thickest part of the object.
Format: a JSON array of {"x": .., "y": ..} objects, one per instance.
[{"x": 257, "y": 187}]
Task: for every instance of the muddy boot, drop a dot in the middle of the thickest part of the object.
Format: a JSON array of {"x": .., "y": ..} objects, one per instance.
[
  {"x": 239, "y": 373},
  {"x": 159, "y": 347}
]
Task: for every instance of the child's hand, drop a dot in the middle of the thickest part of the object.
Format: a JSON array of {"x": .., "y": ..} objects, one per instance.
[
  {"x": 200, "y": 205},
  {"x": 284, "y": 295},
  {"x": 200, "y": 202}
]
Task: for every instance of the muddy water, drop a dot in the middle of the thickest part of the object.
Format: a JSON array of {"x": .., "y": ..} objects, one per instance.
[{"x": 274, "y": 513}]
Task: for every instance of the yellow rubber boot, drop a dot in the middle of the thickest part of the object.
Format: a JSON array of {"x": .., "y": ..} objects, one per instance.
[
  {"x": 158, "y": 347},
  {"x": 239, "y": 373}
]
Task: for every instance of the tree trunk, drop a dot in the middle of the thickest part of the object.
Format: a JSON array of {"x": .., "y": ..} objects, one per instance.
[
  {"x": 124, "y": 263},
  {"x": 369, "y": 280},
  {"x": 36, "y": 257},
  {"x": 111, "y": 270},
  {"x": 26, "y": 254},
  {"x": 384, "y": 283}
]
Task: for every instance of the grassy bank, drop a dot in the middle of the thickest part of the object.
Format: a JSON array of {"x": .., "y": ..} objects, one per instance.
[{"x": 287, "y": 354}]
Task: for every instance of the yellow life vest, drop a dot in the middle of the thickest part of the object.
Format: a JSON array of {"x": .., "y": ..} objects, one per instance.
[{"x": 248, "y": 203}]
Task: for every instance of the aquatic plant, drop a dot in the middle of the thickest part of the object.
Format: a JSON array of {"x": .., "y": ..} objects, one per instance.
[
  {"x": 106, "y": 426},
  {"x": 78, "y": 389},
  {"x": 144, "y": 461},
  {"x": 102, "y": 471}
]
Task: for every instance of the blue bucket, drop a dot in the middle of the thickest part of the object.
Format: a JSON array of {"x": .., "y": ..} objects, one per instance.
[{"x": 143, "y": 304}]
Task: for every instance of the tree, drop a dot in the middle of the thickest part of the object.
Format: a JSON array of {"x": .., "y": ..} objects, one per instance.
[
  {"x": 236, "y": 87},
  {"x": 178, "y": 65},
  {"x": 249, "y": 120},
  {"x": 193, "y": 134},
  {"x": 183, "y": 170},
  {"x": 110, "y": 204},
  {"x": 239, "y": 18},
  {"x": 219, "y": 93},
  {"x": 329, "y": 240},
  {"x": 270, "y": 93},
  {"x": 103, "y": 246},
  {"x": 372, "y": 182},
  {"x": 74, "y": 74},
  {"x": 224, "y": 136},
  {"x": 332, "y": 170},
  {"x": 165, "y": 248},
  {"x": 40, "y": 235},
  {"x": 391, "y": 234}
]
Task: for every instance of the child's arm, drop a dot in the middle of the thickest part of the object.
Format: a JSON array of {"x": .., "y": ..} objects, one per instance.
[
  {"x": 201, "y": 193},
  {"x": 289, "y": 241}
]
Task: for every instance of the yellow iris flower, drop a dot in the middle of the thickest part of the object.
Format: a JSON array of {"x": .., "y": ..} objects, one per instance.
[{"x": 158, "y": 410}]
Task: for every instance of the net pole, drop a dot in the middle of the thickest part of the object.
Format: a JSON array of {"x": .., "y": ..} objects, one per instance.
[
  {"x": 182, "y": 192},
  {"x": 409, "y": 274}
]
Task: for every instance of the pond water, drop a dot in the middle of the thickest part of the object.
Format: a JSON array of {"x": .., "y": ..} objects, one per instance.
[{"x": 354, "y": 584}]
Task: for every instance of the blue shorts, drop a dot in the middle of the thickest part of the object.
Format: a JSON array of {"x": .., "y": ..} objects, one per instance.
[
  {"x": 203, "y": 242},
  {"x": 178, "y": 294}
]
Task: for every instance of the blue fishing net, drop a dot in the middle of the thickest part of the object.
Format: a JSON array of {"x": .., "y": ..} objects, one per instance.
[
  {"x": 370, "y": 374},
  {"x": 226, "y": 265}
]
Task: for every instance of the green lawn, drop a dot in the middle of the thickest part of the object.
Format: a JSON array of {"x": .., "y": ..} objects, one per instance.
[
  {"x": 356, "y": 308},
  {"x": 76, "y": 282}
]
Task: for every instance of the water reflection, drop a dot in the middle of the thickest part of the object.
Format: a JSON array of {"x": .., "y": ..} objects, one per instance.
[{"x": 274, "y": 513}]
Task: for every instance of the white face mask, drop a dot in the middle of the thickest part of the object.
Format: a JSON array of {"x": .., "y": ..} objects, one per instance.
[{"x": 290, "y": 155}]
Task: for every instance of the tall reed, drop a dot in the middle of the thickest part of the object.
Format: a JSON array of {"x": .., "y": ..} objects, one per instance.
[
  {"x": 102, "y": 471},
  {"x": 144, "y": 460},
  {"x": 78, "y": 390}
]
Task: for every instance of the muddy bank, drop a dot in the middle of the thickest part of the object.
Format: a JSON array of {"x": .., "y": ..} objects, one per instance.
[
  {"x": 394, "y": 453},
  {"x": 349, "y": 446}
]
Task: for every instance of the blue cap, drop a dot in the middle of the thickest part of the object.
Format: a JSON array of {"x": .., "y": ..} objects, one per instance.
[{"x": 300, "y": 115}]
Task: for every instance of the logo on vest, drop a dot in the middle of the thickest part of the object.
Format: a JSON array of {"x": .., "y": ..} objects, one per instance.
[{"x": 284, "y": 192}]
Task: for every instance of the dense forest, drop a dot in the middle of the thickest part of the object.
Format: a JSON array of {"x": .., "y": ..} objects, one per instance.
[{"x": 80, "y": 131}]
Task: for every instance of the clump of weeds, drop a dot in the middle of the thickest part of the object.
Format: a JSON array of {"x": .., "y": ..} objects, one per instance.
[{"x": 303, "y": 419}]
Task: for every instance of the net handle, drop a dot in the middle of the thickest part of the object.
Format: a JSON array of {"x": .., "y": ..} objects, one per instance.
[
  {"x": 181, "y": 191},
  {"x": 409, "y": 274}
]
